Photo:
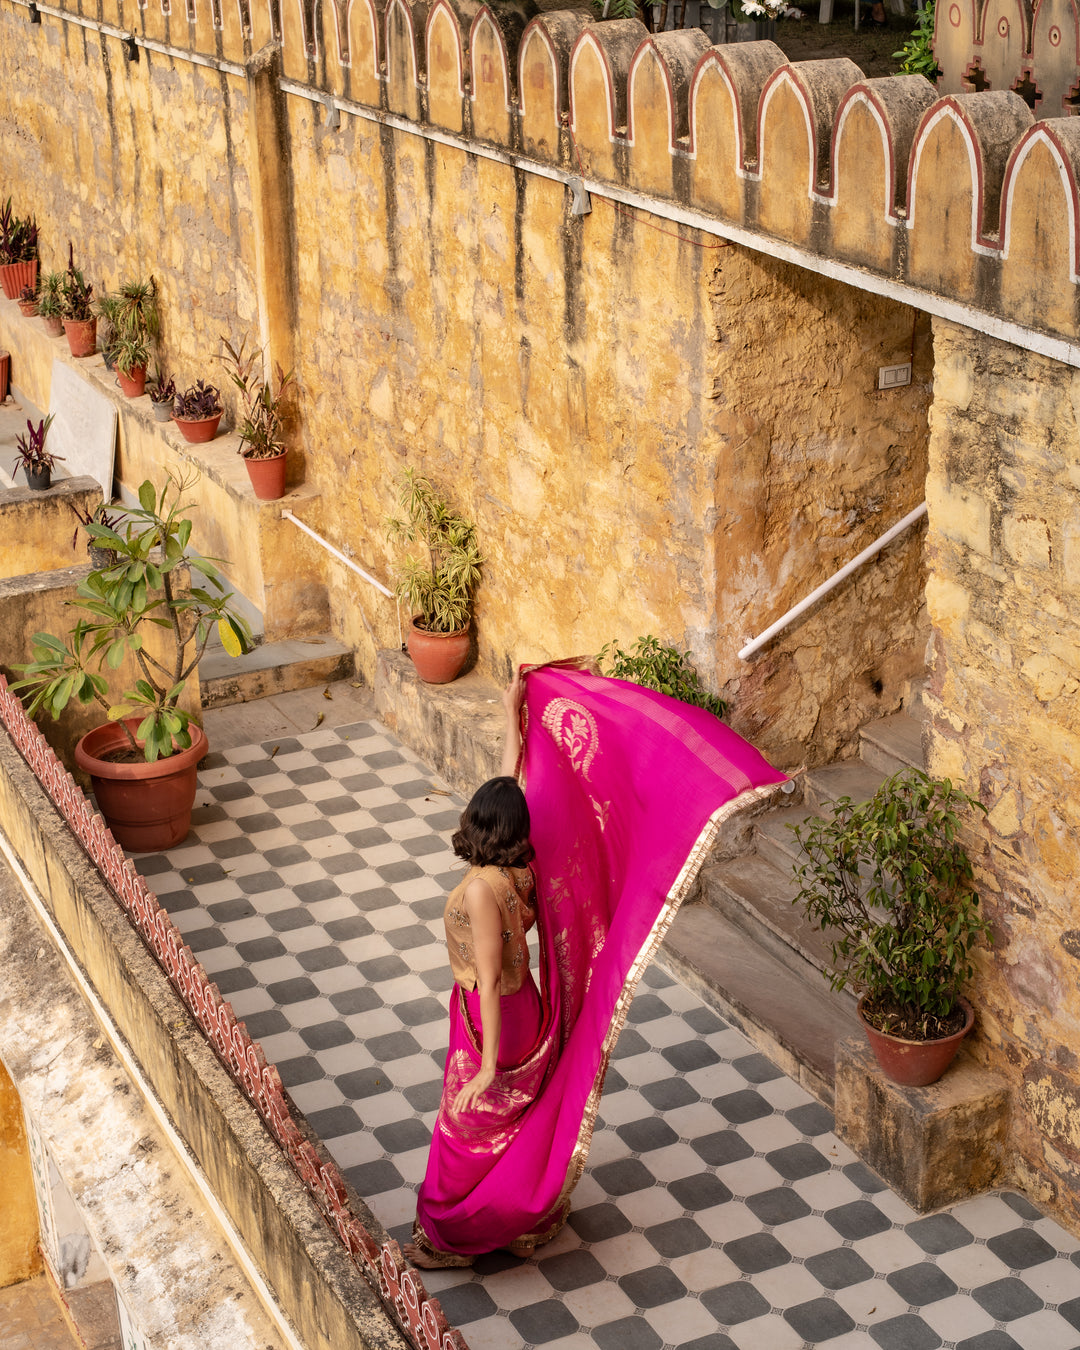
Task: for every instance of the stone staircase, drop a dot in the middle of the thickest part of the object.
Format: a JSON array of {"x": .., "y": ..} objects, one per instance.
[
  {"x": 272, "y": 668},
  {"x": 749, "y": 951}
]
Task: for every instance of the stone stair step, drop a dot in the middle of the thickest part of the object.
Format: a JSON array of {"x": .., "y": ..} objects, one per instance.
[
  {"x": 796, "y": 1021},
  {"x": 758, "y": 897},
  {"x": 774, "y": 840},
  {"x": 851, "y": 778},
  {"x": 893, "y": 743},
  {"x": 272, "y": 668}
]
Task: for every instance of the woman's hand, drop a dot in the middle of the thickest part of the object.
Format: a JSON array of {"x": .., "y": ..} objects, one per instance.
[
  {"x": 473, "y": 1090},
  {"x": 513, "y": 694}
]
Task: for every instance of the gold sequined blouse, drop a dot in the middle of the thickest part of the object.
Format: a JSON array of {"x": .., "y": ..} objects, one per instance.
[{"x": 513, "y": 888}]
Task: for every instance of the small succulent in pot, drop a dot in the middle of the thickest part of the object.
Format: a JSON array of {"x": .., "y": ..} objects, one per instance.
[
  {"x": 33, "y": 458},
  {"x": 28, "y": 301},
  {"x": 107, "y": 309},
  {"x": 260, "y": 424},
  {"x": 198, "y": 402},
  {"x": 162, "y": 392},
  {"x": 131, "y": 353}
]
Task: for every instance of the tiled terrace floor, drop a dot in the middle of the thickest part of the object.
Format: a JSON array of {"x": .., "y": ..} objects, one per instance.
[{"x": 718, "y": 1208}]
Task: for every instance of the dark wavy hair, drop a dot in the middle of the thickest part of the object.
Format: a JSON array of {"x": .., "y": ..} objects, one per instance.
[{"x": 494, "y": 830}]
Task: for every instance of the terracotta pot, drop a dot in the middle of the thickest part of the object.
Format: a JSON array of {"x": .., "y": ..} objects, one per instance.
[
  {"x": 438, "y": 657},
  {"x": 147, "y": 806},
  {"x": 81, "y": 336},
  {"x": 28, "y": 308},
  {"x": 915, "y": 1063},
  {"x": 53, "y": 326},
  {"x": 133, "y": 385},
  {"x": 38, "y": 479},
  {"x": 200, "y": 430},
  {"x": 14, "y": 276},
  {"x": 267, "y": 477}
]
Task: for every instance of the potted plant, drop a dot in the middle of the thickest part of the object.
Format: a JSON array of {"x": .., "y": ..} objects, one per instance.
[
  {"x": 101, "y": 558},
  {"x": 162, "y": 393},
  {"x": 260, "y": 424},
  {"x": 80, "y": 322},
  {"x": 664, "y": 669},
  {"x": 889, "y": 881},
  {"x": 51, "y": 303},
  {"x": 197, "y": 412},
  {"x": 18, "y": 251},
  {"x": 439, "y": 587},
  {"x": 132, "y": 355},
  {"x": 127, "y": 314},
  {"x": 142, "y": 762},
  {"x": 28, "y": 305},
  {"x": 107, "y": 311},
  {"x": 36, "y": 462}
]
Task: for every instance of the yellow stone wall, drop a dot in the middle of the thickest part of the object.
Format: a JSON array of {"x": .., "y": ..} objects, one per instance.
[
  {"x": 19, "y": 1255},
  {"x": 1004, "y": 598}
]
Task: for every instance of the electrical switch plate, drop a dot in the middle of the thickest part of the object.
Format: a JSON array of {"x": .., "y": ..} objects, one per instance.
[{"x": 892, "y": 377}]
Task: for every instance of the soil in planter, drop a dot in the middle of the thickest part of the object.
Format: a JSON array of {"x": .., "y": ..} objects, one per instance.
[
  {"x": 895, "y": 1020},
  {"x": 124, "y": 756}
]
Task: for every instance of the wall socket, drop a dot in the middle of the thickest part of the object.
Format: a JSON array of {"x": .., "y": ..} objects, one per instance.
[{"x": 892, "y": 377}]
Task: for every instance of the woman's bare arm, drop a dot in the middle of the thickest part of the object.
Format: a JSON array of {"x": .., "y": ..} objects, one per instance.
[
  {"x": 512, "y": 696},
  {"x": 485, "y": 920}
]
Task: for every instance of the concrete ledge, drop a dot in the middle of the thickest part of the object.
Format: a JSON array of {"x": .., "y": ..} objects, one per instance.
[
  {"x": 322, "y": 1294},
  {"x": 458, "y": 727},
  {"x": 936, "y": 1144},
  {"x": 273, "y": 668},
  {"x": 36, "y": 527}
]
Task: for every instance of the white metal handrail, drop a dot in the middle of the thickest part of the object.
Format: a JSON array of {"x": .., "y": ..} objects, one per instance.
[{"x": 834, "y": 581}]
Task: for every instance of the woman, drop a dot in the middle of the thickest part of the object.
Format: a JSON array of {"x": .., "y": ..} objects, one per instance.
[{"x": 626, "y": 791}]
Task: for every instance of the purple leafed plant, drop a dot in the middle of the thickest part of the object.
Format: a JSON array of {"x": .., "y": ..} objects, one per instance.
[
  {"x": 31, "y": 447},
  {"x": 198, "y": 402}
]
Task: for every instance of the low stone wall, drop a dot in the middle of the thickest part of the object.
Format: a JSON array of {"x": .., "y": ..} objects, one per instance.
[
  {"x": 36, "y": 528},
  {"x": 322, "y": 1293}
]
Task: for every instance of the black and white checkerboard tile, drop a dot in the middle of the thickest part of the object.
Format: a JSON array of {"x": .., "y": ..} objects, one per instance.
[{"x": 718, "y": 1209}]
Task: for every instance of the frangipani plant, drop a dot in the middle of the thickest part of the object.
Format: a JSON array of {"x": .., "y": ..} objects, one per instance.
[{"x": 141, "y": 587}]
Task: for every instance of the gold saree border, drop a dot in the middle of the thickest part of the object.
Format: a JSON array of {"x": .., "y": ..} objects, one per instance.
[{"x": 675, "y": 896}]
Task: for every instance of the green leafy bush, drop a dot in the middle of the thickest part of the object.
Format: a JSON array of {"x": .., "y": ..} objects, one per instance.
[
  {"x": 916, "y": 57},
  {"x": 889, "y": 881},
  {"x": 664, "y": 669}
]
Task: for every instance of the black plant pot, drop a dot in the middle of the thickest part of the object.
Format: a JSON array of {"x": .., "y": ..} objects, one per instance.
[
  {"x": 38, "y": 479},
  {"x": 101, "y": 558}
]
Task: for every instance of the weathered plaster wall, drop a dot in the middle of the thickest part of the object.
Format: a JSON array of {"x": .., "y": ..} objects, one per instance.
[
  {"x": 1004, "y": 598},
  {"x": 19, "y": 1255}
]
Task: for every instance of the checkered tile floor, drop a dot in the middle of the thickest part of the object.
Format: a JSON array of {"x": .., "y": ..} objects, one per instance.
[{"x": 718, "y": 1209}]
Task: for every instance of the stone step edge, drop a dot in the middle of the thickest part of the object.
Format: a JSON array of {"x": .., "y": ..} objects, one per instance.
[
  {"x": 273, "y": 668},
  {"x": 734, "y": 977}
]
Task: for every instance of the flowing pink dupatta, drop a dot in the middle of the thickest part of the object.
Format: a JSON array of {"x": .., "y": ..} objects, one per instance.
[{"x": 626, "y": 790}]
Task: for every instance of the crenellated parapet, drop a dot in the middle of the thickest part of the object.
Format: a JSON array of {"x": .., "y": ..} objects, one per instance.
[{"x": 963, "y": 197}]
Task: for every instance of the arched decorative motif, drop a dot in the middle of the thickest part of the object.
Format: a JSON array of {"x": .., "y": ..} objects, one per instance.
[
  {"x": 956, "y": 30},
  {"x": 365, "y": 77},
  {"x": 489, "y": 78},
  {"x": 1002, "y": 45},
  {"x": 652, "y": 135},
  {"x": 543, "y": 78},
  {"x": 444, "y": 62},
  {"x": 787, "y": 155},
  {"x": 402, "y": 75},
  {"x": 1055, "y": 54},
  {"x": 1061, "y": 142},
  {"x": 592, "y": 106}
]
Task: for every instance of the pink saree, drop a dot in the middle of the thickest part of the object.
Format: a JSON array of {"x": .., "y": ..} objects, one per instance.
[{"x": 626, "y": 790}]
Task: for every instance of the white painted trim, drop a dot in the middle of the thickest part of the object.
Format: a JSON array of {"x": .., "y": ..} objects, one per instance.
[
  {"x": 134, "y": 1071},
  {"x": 977, "y": 186},
  {"x": 397, "y": 4},
  {"x": 1040, "y": 137},
  {"x": 648, "y": 49},
  {"x": 374, "y": 26},
  {"x": 956, "y": 311},
  {"x": 736, "y": 118},
  {"x": 783, "y": 76},
  {"x": 888, "y": 155},
  {"x": 441, "y": 7},
  {"x": 487, "y": 20},
  {"x": 545, "y": 38}
]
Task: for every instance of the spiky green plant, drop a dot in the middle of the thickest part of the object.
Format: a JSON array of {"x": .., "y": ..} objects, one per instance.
[{"x": 439, "y": 588}]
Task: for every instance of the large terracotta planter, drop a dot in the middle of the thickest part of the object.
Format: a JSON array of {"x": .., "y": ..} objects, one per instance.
[
  {"x": 438, "y": 657},
  {"x": 147, "y": 806},
  {"x": 915, "y": 1063},
  {"x": 267, "y": 477},
  {"x": 133, "y": 385},
  {"x": 14, "y": 276},
  {"x": 199, "y": 431},
  {"x": 81, "y": 336}
]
